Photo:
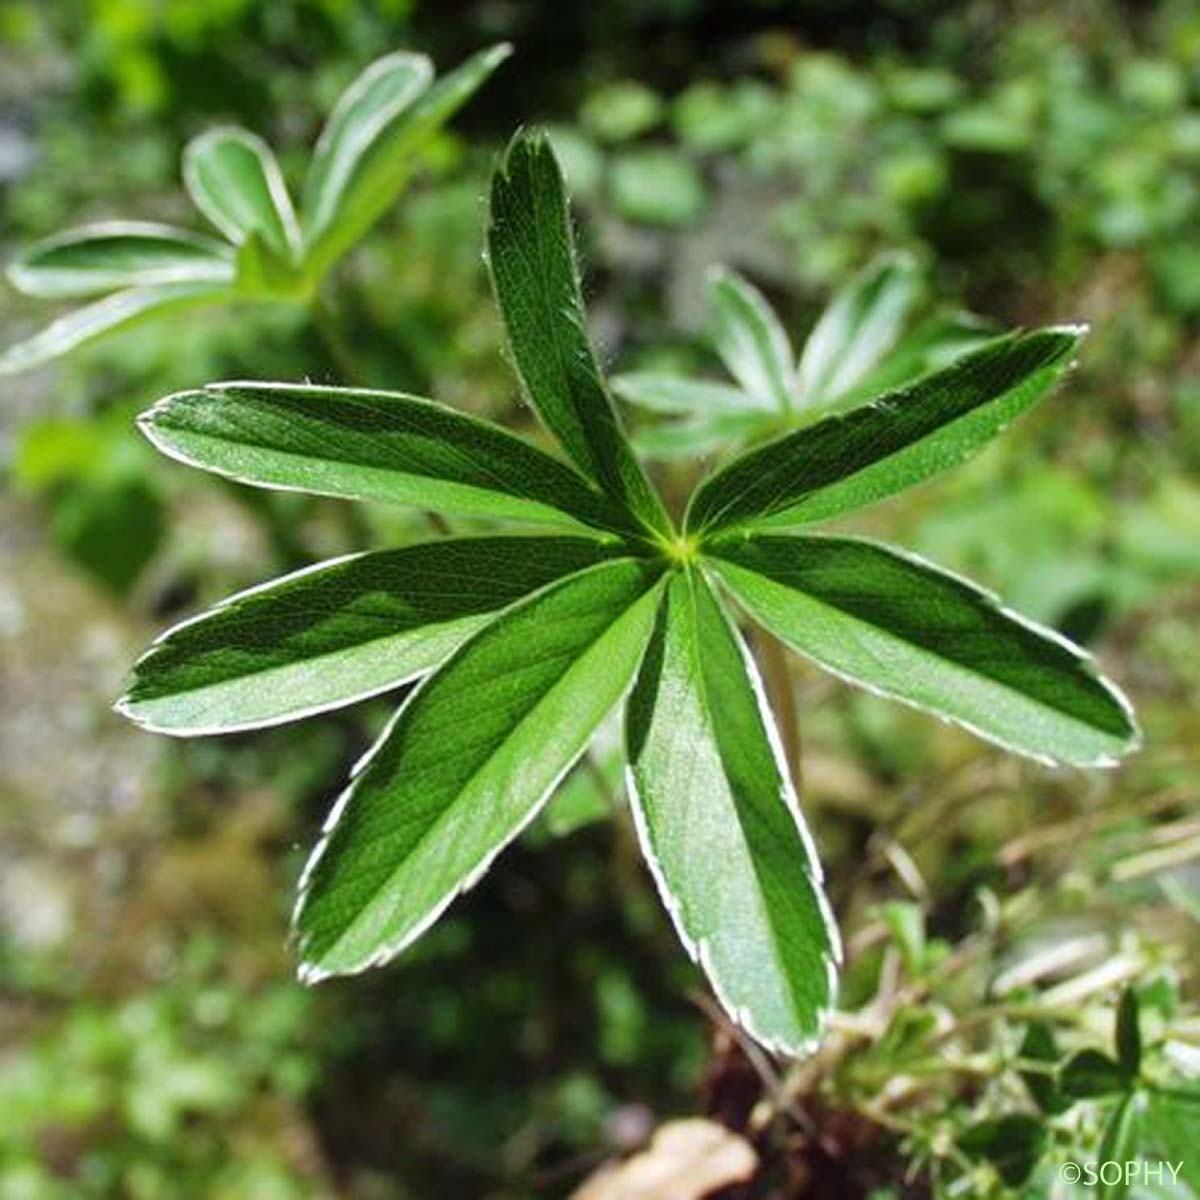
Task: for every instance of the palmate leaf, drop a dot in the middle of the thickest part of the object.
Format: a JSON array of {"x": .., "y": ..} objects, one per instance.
[
  {"x": 110, "y": 255},
  {"x": 367, "y": 150},
  {"x": 372, "y": 446},
  {"x": 721, "y": 827},
  {"x": 901, "y": 627},
  {"x": 531, "y": 253},
  {"x": 233, "y": 179},
  {"x": 846, "y": 461},
  {"x": 750, "y": 340},
  {"x": 337, "y": 632},
  {"x": 121, "y": 310},
  {"x": 467, "y": 763},
  {"x": 526, "y": 644}
]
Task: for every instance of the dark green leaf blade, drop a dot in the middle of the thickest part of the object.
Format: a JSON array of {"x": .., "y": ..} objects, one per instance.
[
  {"x": 848, "y": 460},
  {"x": 750, "y": 340},
  {"x": 368, "y": 445},
  {"x": 721, "y": 827},
  {"x": 1039, "y": 1046},
  {"x": 904, "y": 628},
  {"x": 233, "y": 179},
  {"x": 861, "y": 325},
  {"x": 1012, "y": 1144},
  {"x": 370, "y": 146},
  {"x": 1129, "y": 1033},
  {"x": 335, "y": 633},
  {"x": 1089, "y": 1073},
  {"x": 467, "y": 763},
  {"x": 531, "y": 253},
  {"x": 121, "y": 310},
  {"x": 117, "y": 254}
]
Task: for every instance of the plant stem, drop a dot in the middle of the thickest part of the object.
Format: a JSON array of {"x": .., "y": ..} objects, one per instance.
[{"x": 338, "y": 348}]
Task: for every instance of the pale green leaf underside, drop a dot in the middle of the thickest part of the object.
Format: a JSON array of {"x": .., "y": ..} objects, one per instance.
[
  {"x": 750, "y": 340},
  {"x": 468, "y": 762},
  {"x": 332, "y": 634},
  {"x": 933, "y": 344},
  {"x": 673, "y": 440},
  {"x": 370, "y": 148},
  {"x": 118, "y": 311},
  {"x": 721, "y": 827},
  {"x": 375, "y": 99},
  {"x": 233, "y": 179},
  {"x": 660, "y": 392},
  {"x": 852, "y": 459},
  {"x": 859, "y": 328},
  {"x": 369, "y": 445},
  {"x": 101, "y": 258},
  {"x": 901, "y": 627},
  {"x": 532, "y": 257}
]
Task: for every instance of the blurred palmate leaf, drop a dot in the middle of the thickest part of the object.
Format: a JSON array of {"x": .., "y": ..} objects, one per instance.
[
  {"x": 364, "y": 156},
  {"x": 866, "y": 340},
  {"x": 525, "y": 644}
]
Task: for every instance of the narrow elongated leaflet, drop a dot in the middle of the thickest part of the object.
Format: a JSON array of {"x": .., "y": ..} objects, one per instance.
[
  {"x": 901, "y": 627},
  {"x": 859, "y": 328},
  {"x": 750, "y": 339},
  {"x": 846, "y": 461},
  {"x": 532, "y": 257},
  {"x": 932, "y": 345},
  {"x": 382, "y": 156},
  {"x": 467, "y": 763},
  {"x": 694, "y": 439},
  {"x": 118, "y": 311},
  {"x": 334, "y": 633},
  {"x": 721, "y": 827},
  {"x": 118, "y": 254},
  {"x": 233, "y": 178},
  {"x": 1119, "y": 1146},
  {"x": 372, "y": 446},
  {"x": 384, "y": 160},
  {"x": 364, "y": 110},
  {"x": 674, "y": 394}
]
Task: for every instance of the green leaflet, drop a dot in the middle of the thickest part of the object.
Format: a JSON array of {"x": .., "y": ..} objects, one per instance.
[
  {"x": 376, "y": 98},
  {"x": 846, "y": 461},
  {"x": 1119, "y": 1143},
  {"x": 696, "y": 438},
  {"x": 859, "y": 328},
  {"x": 371, "y": 446},
  {"x": 117, "y": 254},
  {"x": 750, "y": 340},
  {"x": 366, "y": 152},
  {"x": 118, "y": 311},
  {"x": 903, "y": 628},
  {"x": 659, "y": 392},
  {"x": 932, "y": 345},
  {"x": 532, "y": 257},
  {"x": 721, "y": 827},
  {"x": 233, "y": 179},
  {"x": 337, "y": 632},
  {"x": 467, "y": 763}
]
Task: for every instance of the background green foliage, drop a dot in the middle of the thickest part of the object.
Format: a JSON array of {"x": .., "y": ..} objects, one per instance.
[{"x": 1044, "y": 161}]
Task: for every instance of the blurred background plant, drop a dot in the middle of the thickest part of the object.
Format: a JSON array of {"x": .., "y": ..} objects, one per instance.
[{"x": 1040, "y": 162}]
